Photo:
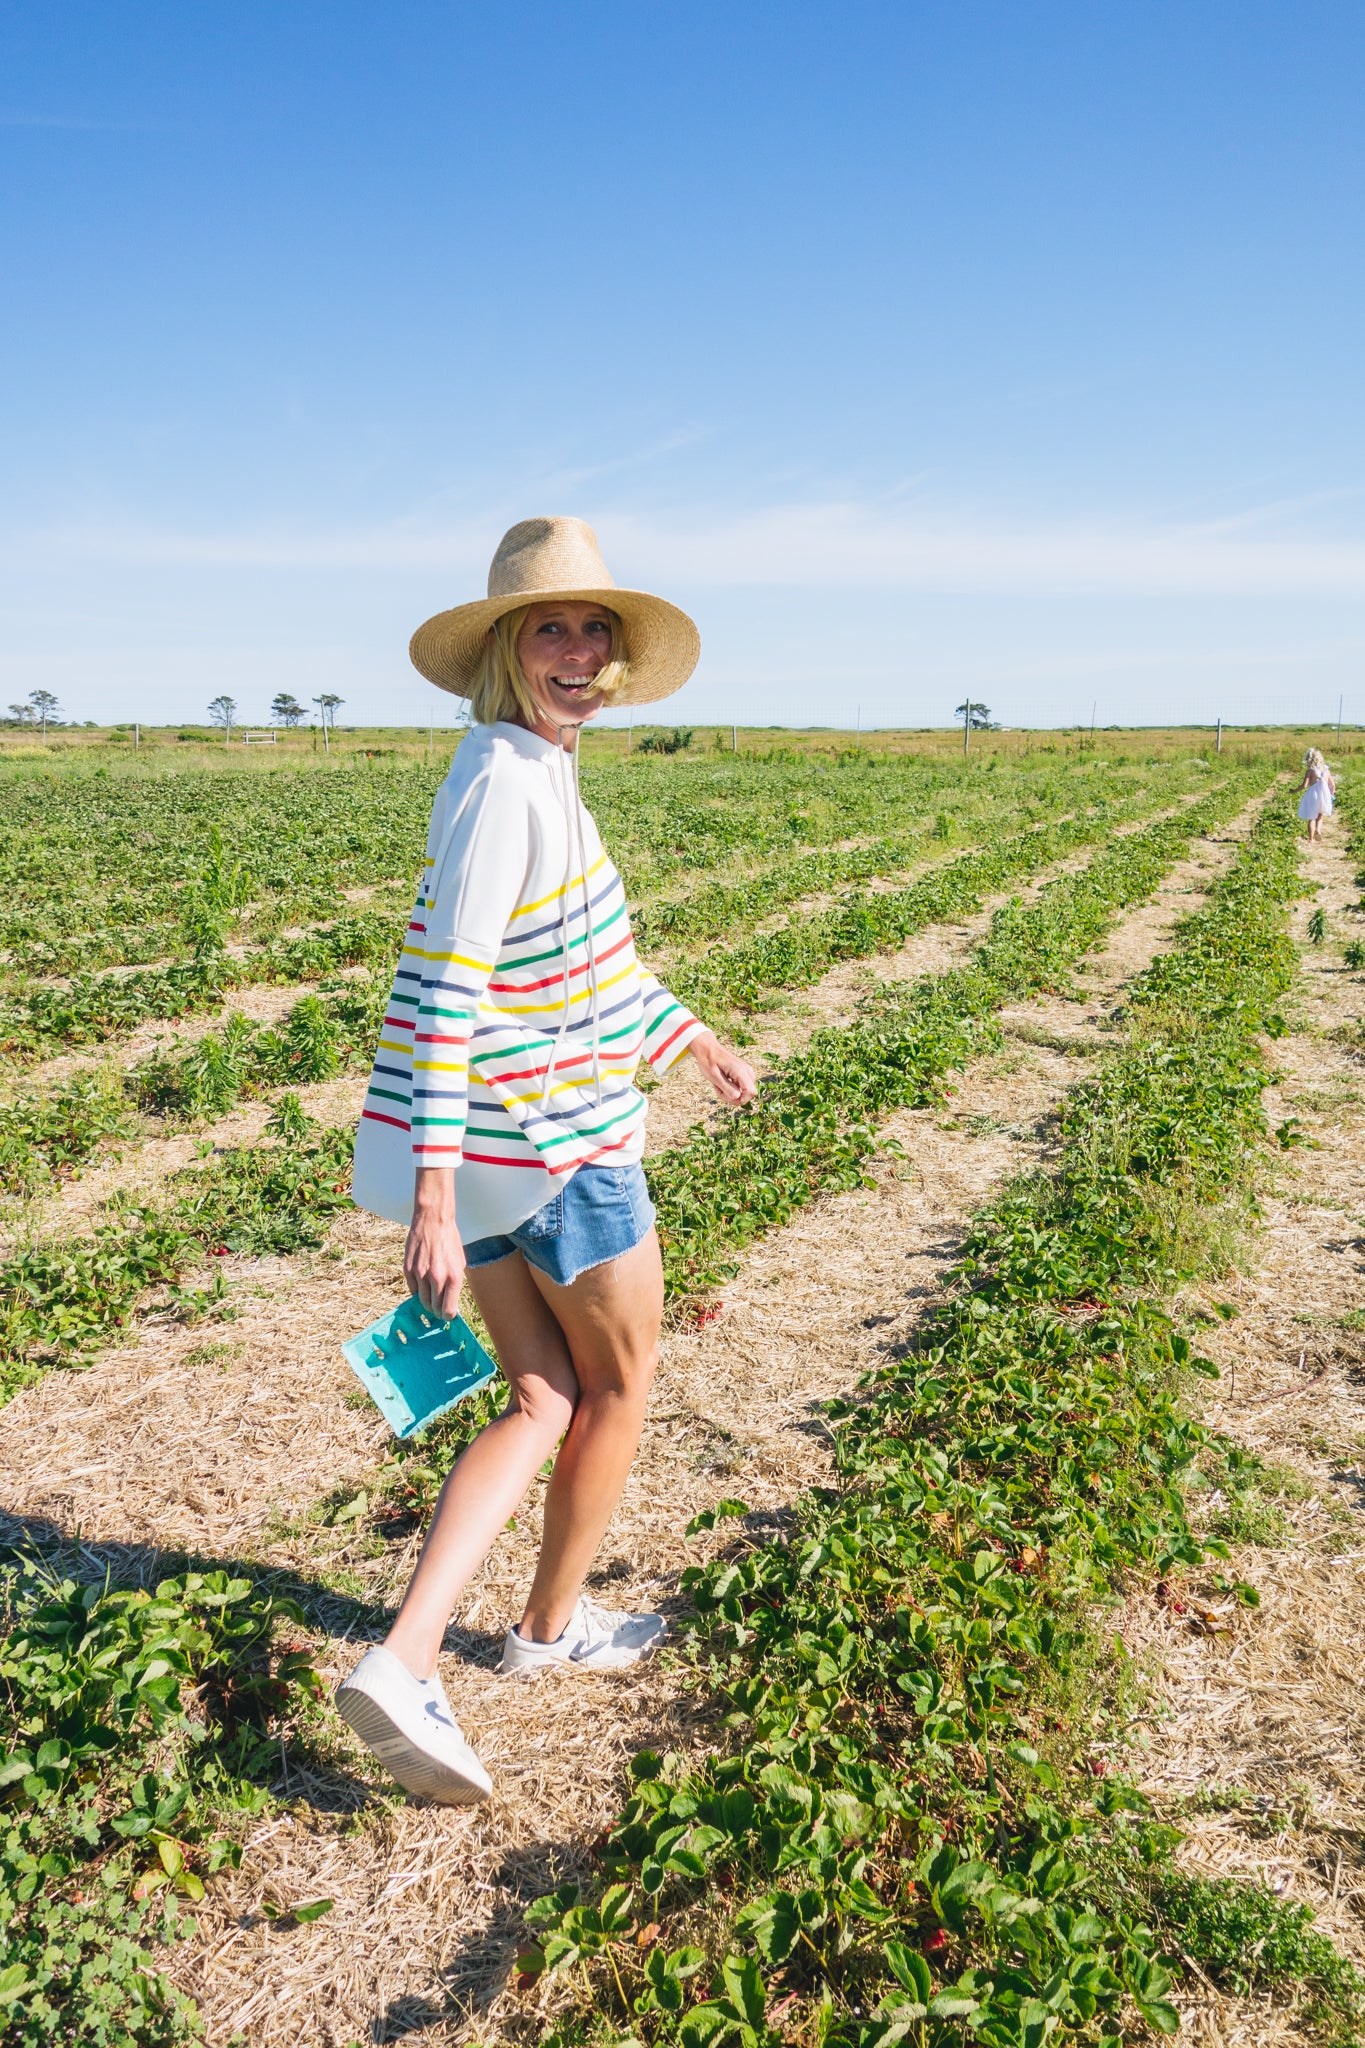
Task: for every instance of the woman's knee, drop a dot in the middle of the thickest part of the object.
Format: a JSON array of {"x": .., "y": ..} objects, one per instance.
[
  {"x": 546, "y": 1401},
  {"x": 624, "y": 1378}
]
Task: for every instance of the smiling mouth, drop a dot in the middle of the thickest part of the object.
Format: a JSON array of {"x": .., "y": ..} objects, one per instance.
[{"x": 577, "y": 686}]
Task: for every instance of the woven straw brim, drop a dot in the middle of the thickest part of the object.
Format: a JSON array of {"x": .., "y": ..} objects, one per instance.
[{"x": 665, "y": 645}]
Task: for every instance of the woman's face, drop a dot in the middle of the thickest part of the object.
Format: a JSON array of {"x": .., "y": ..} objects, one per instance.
[{"x": 562, "y": 649}]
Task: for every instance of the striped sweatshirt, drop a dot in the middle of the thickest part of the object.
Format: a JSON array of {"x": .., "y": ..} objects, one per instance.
[{"x": 519, "y": 1012}]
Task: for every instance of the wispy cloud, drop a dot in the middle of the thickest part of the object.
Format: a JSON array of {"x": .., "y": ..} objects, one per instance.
[
  {"x": 853, "y": 547},
  {"x": 574, "y": 478},
  {"x": 12, "y": 120},
  {"x": 833, "y": 546},
  {"x": 1024, "y": 667}
]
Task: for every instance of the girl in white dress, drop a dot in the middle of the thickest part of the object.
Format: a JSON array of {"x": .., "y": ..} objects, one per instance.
[{"x": 1318, "y": 791}]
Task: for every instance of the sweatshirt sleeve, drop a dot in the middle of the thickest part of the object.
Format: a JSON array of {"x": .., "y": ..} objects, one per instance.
[
  {"x": 476, "y": 867},
  {"x": 669, "y": 1026}
]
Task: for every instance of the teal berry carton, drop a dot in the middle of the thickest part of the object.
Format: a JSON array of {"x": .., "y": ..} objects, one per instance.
[{"x": 414, "y": 1367}]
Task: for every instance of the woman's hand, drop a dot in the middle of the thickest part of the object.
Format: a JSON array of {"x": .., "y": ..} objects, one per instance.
[
  {"x": 733, "y": 1079},
  {"x": 433, "y": 1260}
]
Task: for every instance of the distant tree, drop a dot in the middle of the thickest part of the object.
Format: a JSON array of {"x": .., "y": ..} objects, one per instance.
[
  {"x": 45, "y": 707},
  {"x": 223, "y": 711},
  {"x": 327, "y": 704},
  {"x": 980, "y": 714},
  {"x": 22, "y": 714},
  {"x": 287, "y": 710}
]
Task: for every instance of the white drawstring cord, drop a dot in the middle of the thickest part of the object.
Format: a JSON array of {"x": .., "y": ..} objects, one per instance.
[
  {"x": 592, "y": 945},
  {"x": 565, "y": 962},
  {"x": 572, "y": 801}
]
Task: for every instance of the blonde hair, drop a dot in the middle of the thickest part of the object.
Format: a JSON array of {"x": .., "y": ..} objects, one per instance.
[
  {"x": 1314, "y": 761},
  {"x": 500, "y": 690}
]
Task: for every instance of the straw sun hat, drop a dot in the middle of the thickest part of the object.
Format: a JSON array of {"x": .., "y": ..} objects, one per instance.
[{"x": 538, "y": 561}]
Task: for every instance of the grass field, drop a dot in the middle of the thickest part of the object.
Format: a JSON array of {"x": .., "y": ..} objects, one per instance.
[
  {"x": 1003, "y": 1473},
  {"x": 149, "y": 750}
]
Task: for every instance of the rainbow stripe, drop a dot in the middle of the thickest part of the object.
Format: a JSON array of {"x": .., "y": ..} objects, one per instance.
[{"x": 468, "y": 1041}]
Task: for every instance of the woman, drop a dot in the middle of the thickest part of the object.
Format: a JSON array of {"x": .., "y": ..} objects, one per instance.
[
  {"x": 1319, "y": 790},
  {"x": 502, "y": 1124}
]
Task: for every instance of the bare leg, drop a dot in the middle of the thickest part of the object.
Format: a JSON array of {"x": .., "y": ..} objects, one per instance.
[
  {"x": 487, "y": 1484},
  {"x": 610, "y": 1318}
]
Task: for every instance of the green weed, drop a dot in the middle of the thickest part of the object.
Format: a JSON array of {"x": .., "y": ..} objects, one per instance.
[
  {"x": 1248, "y": 1518},
  {"x": 1248, "y": 1940}
]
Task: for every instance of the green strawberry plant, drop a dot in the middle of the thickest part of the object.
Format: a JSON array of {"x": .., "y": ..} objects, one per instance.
[
  {"x": 902, "y": 1834},
  {"x": 60, "y": 1301},
  {"x": 134, "y": 1723}
]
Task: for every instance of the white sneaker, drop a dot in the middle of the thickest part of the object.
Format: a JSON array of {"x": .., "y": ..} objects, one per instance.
[
  {"x": 595, "y": 1640},
  {"x": 408, "y": 1724}
]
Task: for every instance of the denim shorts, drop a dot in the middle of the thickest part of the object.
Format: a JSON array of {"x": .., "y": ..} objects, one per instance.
[{"x": 602, "y": 1214}]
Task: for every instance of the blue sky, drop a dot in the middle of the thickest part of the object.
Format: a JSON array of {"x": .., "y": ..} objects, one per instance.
[{"x": 920, "y": 350}]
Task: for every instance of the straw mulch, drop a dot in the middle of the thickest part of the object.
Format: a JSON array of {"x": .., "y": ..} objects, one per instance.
[{"x": 193, "y": 1438}]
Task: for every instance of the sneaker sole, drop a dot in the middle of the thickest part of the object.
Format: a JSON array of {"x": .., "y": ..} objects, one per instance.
[
  {"x": 412, "y": 1767},
  {"x": 579, "y": 1664}
]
